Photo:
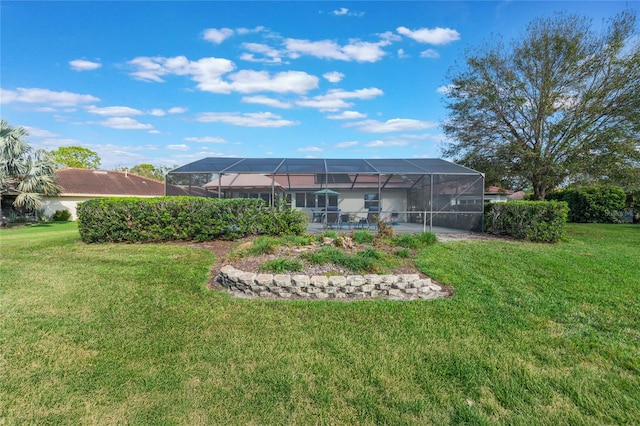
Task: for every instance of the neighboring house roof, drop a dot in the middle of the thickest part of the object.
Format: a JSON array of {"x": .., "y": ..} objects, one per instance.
[
  {"x": 243, "y": 181},
  {"x": 88, "y": 182},
  {"x": 495, "y": 190},
  {"x": 511, "y": 195},
  {"x": 518, "y": 195}
]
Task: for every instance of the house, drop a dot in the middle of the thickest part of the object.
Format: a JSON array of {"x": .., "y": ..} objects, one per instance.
[
  {"x": 426, "y": 192},
  {"x": 80, "y": 185},
  {"x": 495, "y": 194}
]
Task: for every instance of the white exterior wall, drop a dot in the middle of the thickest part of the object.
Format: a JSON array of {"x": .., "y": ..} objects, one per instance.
[
  {"x": 496, "y": 198},
  {"x": 392, "y": 200},
  {"x": 71, "y": 202},
  {"x": 352, "y": 201},
  {"x": 63, "y": 203}
]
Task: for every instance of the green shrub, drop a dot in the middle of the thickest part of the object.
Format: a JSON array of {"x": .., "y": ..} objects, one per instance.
[
  {"x": 281, "y": 265},
  {"x": 61, "y": 215},
  {"x": 540, "y": 221},
  {"x": 299, "y": 240},
  {"x": 260, "y": 246},
  {"x": 362, "y": 237},
  {"x": 366, "y": 261},
  {"x": 403, "y": 253},
  {"x": 415, "y": 241},
  {"x": 282, "y": 220},
  {"x": 182, "y": 218},
  {"x": 330, "y": 234},
  {"x": 594, "y": 204}
]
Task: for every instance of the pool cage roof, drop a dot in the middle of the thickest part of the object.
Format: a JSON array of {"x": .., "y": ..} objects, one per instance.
[{"x": 280, "y": 166}]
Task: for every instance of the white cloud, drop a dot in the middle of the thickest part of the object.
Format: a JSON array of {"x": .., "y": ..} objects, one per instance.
[
  {"x": 205, "y": 139},
  {"x": 333, "y": 77},
  {"x": 326, "y": 49},
  {"x": 389, "y": 36},
  {"x": 39, "y": 133},
  {"x": 258, "y": 119},
  {"x": 249, "y": 81},
  {"x": 264, "y": 100},
  {"x": 343, "y": 11},
  {"x": 273, "y": 55},
  {"x": 177, "y": 110},
  {"x": 250, "y": 57},
  {"x": 178, "y": 147},
  {"x": 208, "y": 72},
  {"x": 362, "y": 51},
  {"x": 417, "y": 140},
  {"x": 124, "y": 123},
  {"x": 324, "y": 104},
  {"x": 346, "y": 144},
  {"x": 429, "y": 53},
  {"x": 334, "y": 99},
  {"x": 402, "y": 54},
  {"x": 309, "y": 149},
  {"x": 83, "y": 65},
  {"x": 388, "y": 143},
  {"x": 244, "y": 31},
  {"x": 113, "y": 111},
  {"x": 445, "y": 90},
  {"x": 347, "y": 115},
  {"x": 40, "y": 109},
  {"x": 44, "y": 96},
  {"x": 153, "y": 68},
  {"x": 217, "y": 36},
  {"x": 157, "y": 112},
  {"x": 368, "y": 93},
  {"x": 434, "y": 36},
  {"x": 393, "y": 125}
]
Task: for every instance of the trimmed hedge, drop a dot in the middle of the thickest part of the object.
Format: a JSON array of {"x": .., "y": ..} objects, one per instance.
[
  {"x": 593, "y": 204},
  {"x": 183, "y": 218},
  {"x": 61, "y": 215},
  {"x": 539, "y": 221}
]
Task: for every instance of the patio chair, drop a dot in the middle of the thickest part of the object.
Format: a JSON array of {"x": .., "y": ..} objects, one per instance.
[
  {"x": 344, "y": 218},
  {"x": 372, "y": 216},
  {"x": 394, "y": 218},
  {"x": 333, "y": 217}
]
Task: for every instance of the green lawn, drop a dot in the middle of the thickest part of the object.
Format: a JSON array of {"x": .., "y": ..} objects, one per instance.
[{"x": 535, "y": 334}]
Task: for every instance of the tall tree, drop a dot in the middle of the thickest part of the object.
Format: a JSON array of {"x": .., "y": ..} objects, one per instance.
[
  {"x": 559, "y": 104},
  {"x": 28, "y": 174},
  {"x": 150, "y": 171},
  {"x": 76, "y": 156}
]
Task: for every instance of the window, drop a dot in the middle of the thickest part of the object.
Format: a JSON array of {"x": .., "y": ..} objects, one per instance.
[
  {"x": 371, "y": 200},
  {"x": 310, "y": 200},
  {"x": 301, "y": 200}
]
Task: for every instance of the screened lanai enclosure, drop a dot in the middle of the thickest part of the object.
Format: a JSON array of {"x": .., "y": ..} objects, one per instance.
[{"x": 411, "y": 194}]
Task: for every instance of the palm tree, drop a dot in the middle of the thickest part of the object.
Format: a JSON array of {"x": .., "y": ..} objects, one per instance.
[{"x": 29, "y": 175}]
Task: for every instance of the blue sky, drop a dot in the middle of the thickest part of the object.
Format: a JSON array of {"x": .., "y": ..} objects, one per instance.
[{"x": 168, "y": 83}]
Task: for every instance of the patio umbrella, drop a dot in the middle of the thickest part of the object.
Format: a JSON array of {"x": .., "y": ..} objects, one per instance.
[{"x": 326, "y": 191}]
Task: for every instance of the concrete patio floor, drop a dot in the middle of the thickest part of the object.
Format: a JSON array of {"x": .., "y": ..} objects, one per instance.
[{"x": 400, "y": 228}]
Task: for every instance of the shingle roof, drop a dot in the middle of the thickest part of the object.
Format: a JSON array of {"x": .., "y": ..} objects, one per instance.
[{"x": 106, "y": 182}]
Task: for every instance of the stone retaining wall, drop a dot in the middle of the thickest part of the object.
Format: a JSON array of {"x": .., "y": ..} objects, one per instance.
[{"x": 404, "y": 287}]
